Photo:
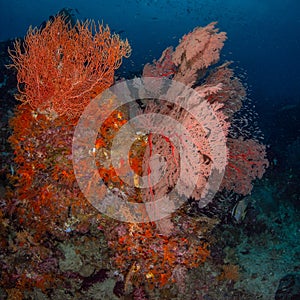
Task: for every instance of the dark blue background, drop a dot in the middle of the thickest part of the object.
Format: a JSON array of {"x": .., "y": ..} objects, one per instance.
[{"x": 263, "y": 35}]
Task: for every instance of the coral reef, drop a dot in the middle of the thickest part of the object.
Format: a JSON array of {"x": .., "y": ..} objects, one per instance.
[{"x": 45, "y": 216}]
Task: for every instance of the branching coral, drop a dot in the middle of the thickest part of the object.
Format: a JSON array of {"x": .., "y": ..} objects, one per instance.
[
  {"x": 61, "y": 68},
  {"x": 192, "y": 63}
]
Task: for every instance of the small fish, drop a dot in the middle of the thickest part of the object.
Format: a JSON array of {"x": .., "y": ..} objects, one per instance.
[
  {"x": 68, "y": 230},
  {"x": 239, "y": 211},
  {"x": 12, "y": 170},
  {"x": 117, "y": 32}
]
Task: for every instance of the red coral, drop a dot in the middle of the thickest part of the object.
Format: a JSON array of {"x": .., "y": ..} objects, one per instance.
[
  {"x": 60, "y": 68},
  {"x": 247, "y": 161},
  {"x": 152, "y": 256},
  {"x": 232, "y": 92},
  {"x": 63, "y": 67}
]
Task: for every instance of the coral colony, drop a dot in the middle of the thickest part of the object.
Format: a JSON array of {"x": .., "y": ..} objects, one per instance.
[{"x": 60, "y": 68}]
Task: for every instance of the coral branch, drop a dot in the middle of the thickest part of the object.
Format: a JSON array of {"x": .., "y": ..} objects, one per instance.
[
  {"x": 197, "y": 51},
  {"x": 247, "y": 161},
  {"x": 60, "y": 67}
]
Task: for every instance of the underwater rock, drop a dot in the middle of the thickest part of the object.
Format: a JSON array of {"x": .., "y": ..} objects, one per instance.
[
  {"x": 289, "y": 288},
  {"x": 97, "y": 277},
  {"x": 102, "y": 290},
  {"x": 72, "y": 261}
]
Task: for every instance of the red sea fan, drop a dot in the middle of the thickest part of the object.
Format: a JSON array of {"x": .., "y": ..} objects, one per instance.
[
  {"x": 246, "y": 162},
  {"x": 62, "y": 67}
]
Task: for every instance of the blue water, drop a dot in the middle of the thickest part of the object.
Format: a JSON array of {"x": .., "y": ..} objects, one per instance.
[{"x": 264, "y": 35}]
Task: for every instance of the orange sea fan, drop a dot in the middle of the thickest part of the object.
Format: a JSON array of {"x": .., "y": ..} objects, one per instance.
[{"x": 61, "y": 68}]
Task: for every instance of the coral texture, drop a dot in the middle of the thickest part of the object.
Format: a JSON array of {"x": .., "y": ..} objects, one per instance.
[
  {"x": 192, "y": 63},
  {"x": 61, "y": 68}
]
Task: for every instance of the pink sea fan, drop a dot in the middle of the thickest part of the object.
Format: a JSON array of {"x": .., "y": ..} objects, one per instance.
[
  {"x": 162, "y": 158},
  {"x": 197, "y": 51},
  {"x": 164, "y": 67},
  {"x": 220, "y": 90}
]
